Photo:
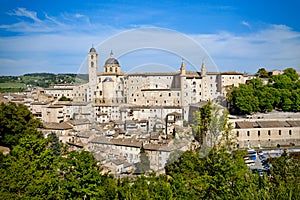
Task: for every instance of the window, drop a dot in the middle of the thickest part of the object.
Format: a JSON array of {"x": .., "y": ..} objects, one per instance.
[
  {"x": 169, "y": 94},
  {"x": 237, "y": 134},
  {"x": 290, "y": 132},
  {"x": 269, "y": 132},
  {"x": 279, "y": 132},
  {"x": 110, "y": 69},
  {"x": 248, "y": 133},
  {"x": 258, "y": 132},
  {"x": 92, "y": 64}
]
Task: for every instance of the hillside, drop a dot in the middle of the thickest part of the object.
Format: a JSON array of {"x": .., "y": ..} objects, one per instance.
[{"x": 27, "y": 81}]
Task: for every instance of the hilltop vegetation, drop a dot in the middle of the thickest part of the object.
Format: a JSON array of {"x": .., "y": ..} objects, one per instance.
[
  {"x": 21, "y": 83},
  {"x": 281, "y": 93},
  {"x": 39, "y": 168}
]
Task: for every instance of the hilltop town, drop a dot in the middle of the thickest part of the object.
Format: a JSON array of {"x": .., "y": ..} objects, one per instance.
[{"x": 116, "y": 114}]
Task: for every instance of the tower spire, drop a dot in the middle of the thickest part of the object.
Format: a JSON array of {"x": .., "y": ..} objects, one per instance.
[
  {"x": 182, "y": 67},
  {"x": 203, "y": 68},
  {"x": 182, "y": 64},
  {"x": 111, "y": 54}
]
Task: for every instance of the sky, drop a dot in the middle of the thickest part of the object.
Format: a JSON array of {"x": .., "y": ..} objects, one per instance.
[{"x": 55, "y": 36}]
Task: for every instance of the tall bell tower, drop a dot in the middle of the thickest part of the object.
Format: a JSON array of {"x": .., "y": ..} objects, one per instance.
[{"x": 93, "y": 66}]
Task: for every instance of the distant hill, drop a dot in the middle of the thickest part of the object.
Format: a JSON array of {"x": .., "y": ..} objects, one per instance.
[{"x": 45, "y": 80}]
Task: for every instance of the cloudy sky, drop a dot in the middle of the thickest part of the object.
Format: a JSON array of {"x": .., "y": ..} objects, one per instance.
[{"x": 55, "y": 36}]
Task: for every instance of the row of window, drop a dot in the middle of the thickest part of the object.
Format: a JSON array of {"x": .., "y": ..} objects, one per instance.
[{"x": 258, "y": 133}]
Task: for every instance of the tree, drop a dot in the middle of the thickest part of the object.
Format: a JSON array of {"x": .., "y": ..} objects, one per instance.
[
  {"x": 29, "y": 171},
  {"x": 284, "y": 183},
  {"x": 55, "y": 145},
  {"x": 262, "y": 73},
  {"x": 291, "y": 73},
  {"x": 64, "y": 98},
  {"x": 202, "y": 119},
  {"x": 243, "y": 100},
  {"x": 144, "y": 165},
  {"x": 217, "y": 124},
  {"x": 16, "y": 122}
]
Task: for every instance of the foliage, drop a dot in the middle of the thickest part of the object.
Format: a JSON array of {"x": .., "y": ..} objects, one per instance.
[
  {"x": 55, "y": 144},
  {"x": 202, "y": 119},
  {"x": 144, "y": 165},
  {"x": 64, "y": 98},
  {"x": 262, "y": 73},
  {"x": 35, "y": 170},
  {"x": 16, "y": 121},
  {"x": 281, "y": 93},
  {"x": 284, "y": 183},
  {"x": 20, "y": 83}
]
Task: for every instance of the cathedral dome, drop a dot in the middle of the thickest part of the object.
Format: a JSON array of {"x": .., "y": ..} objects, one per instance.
[{"x": 111, "y": 60}]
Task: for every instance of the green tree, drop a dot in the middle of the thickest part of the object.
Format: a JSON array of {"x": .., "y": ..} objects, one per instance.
[
  {"x": 55, "y": 144},
  {"x": 243, "y": 100},
  {"x": 16, "y": 121},
  {"x": 202, "y": 119},
  {"x": 284, "y": 183},
  {"x": 291, "y": 73},
  {"x": 144, "y": 165},
  {"x": 29, "y": 171},
  {"x": 262, "y": 73},
  {"x": 64, "y": 98}
]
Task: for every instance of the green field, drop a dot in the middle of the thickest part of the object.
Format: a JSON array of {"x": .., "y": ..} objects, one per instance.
[{"x": 12, "y": 87}]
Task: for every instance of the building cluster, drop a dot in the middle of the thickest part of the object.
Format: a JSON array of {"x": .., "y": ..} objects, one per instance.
[{"x": 116, "y": 114}]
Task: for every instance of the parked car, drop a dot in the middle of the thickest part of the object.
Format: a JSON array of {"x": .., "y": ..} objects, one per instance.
[
  {"x": 260, "y": 172},
  {"x": 262, "y": 157},
  {"x": 264, "y": 162}
]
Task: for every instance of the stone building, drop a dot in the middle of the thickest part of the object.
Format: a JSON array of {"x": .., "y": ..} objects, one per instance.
[
  {"x": 117, "y": 95},
  {"x": 267, "y": 133}
]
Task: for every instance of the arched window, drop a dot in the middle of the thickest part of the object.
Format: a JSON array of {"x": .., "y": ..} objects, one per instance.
[
  {"x": 110, "y": 69},
  {"x": 92, "y": 64}
]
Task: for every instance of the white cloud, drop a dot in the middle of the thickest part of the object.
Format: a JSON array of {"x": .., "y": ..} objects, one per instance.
[
  {"x": 23, "y": 12},
  {"x": 77, "y": 15},
  {"x": 276, "y": 46},
  {"x": 246, "y": 24},
  {"x": 61, "y": 43}
]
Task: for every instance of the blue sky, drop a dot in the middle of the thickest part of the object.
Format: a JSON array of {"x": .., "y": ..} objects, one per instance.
[{"x": 55, "y": 36}]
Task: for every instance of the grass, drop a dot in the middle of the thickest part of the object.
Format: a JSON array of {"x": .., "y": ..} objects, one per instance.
[{"x": 12, "y": 85}]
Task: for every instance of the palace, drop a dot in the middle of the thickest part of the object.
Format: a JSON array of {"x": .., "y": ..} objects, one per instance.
[{"x": 151, "y": 96}]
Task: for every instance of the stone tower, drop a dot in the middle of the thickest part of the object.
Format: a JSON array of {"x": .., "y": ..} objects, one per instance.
[
  {"x": 203, "y": 69},
  {"x": 93, "y": 66}
]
